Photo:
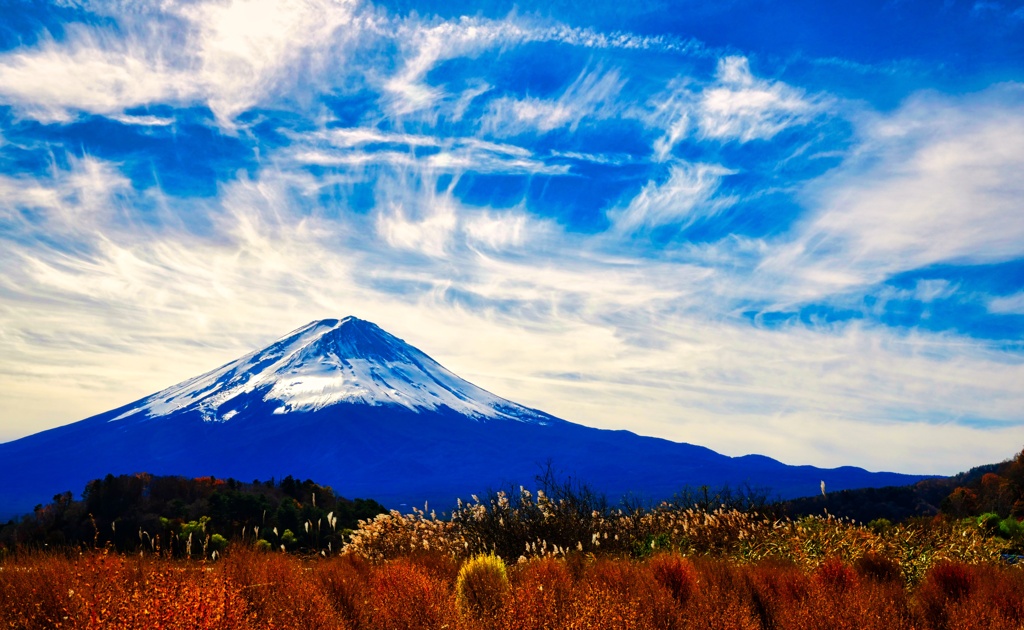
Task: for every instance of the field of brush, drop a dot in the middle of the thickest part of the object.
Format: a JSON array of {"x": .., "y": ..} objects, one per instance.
[{"x": 536, "y": 563}]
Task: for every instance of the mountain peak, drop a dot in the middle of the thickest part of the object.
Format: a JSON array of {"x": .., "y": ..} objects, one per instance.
[{"x": 325, "y": 363}]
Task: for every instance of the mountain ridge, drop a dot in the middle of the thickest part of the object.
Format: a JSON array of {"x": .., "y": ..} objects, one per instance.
[{"x": 344, "y": 402}]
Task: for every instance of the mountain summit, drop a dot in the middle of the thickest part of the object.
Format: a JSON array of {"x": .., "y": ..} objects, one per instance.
[
  {"x": 343, "y": 402},
  {"x": 325, "y": 363}
]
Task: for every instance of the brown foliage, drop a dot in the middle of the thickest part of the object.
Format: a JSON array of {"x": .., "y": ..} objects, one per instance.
[
  {"x": 248, "y": 590},
  {"x": 402, "y": 595},
  {"x": 540, "y": 596}
]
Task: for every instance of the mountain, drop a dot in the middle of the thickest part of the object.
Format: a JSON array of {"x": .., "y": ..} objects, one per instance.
[
  {"x": 347, "y": 404},
  {"x": 326, "y": 363}
]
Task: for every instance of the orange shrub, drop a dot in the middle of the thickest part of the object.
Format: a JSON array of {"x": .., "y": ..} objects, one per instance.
[
  {"x": 37, "y": 591},
  {"x": 834, "y": 575},
  {"x": 876, "y": 567},
  {"x": 540, "y": 595},
  {"x": 259, "y": 591},
  {"x": 723, "y": 601},
  {"x": 403, "y": 596},
  {"x": 676, "y": 574},
  {"x": 344, "y": 582},
  {"x": 956, "y": 595},
  {"x": 621, "y": 594},
  {"x": 277, "y": 591}
]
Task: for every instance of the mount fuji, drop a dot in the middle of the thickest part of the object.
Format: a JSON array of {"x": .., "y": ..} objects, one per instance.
[{"x": 346, "y": 404}]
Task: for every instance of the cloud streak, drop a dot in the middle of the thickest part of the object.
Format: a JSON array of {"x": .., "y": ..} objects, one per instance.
[
  {"x": 735, "y": 107},
  {"x": 935, "y": 182}
]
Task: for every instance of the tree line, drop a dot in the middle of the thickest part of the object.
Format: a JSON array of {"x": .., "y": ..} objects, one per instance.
[{"x": 191, "y": 516}]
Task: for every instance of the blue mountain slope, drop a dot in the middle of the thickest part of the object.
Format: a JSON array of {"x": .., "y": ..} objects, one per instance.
[{"x": 346, "y": 404}]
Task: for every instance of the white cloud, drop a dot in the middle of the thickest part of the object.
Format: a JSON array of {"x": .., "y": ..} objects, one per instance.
[
  {"x": 228, "y": 55},
  {"x": 936, "y": 181},
  {"x": 92, "y": 71},
  {"x": 1008, "y": 304},
  {"x": 592, "y": 94},
  {"x": 353, "y": 147},
  {"x": 737, "y": 106},
  {"x": 425, "y": 44},
  {"x": 70, "y": 202},
  {"x": 232, "y": 55},
  {"x": 413, "y": 215},
  {"x": 497, "y": 231},
  {"x": 143, "y": 121},
  {"x": 744, "y": 108},
  {"x": 429, "y": 235},
  {"x": 687, "y": 196}
]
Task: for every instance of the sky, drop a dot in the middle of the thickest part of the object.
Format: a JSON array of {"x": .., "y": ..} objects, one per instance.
[{"x": 791, "y": 228}]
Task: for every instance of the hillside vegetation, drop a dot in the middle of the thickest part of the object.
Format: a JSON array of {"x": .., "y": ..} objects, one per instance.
[
  {"x": 183, "y": 516},
  {"x": 556, "y": 557}
]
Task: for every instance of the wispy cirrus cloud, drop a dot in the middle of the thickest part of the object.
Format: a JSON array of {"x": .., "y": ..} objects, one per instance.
[
  {"x": 686, "y": 196},
  {"x": 91, "y": 71},
  {"x": 736, "y": 106},
  {"x": 425, "y": 44},
  {"x": 934, "y": 182},
  {"x": 1011, "y": 304},
  {"x": 366, "y": 146},
  {"x": 592, "y": 94},
  {"x": 228, "y": 56}
]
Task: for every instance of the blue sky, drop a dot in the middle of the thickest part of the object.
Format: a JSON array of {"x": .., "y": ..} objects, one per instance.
[{"x": 789, "y": 228}]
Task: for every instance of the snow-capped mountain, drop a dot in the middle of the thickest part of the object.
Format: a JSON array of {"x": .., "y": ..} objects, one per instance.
[
  {"x": 325, "y": 363},
  {"x": 346, "y": 404}
]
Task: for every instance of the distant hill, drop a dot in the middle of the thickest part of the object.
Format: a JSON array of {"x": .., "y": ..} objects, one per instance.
[
  {"x": 992, "y": 488},
  {"x": 346, "y": 403}
]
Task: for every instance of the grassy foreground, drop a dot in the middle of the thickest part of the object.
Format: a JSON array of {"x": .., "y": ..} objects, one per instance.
[
  {"x": 540, "y": 564},
  {"x": 247, "y": 589}
]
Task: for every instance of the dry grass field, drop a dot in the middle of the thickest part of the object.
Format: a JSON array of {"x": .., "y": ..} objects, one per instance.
[{"x": 665, "y": 569}]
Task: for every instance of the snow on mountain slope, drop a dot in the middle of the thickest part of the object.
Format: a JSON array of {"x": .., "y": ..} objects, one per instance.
[{"x": 325, "y": 363}]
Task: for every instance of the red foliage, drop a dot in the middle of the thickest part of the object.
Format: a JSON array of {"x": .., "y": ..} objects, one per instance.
[
  {"x": 878, "y": 568},
  {"x": 676, "y": 574},
  {"x": 541, "y": 592},
  {"x": 403, "y": 596},
  {"x": 256, "y": 591},
  {"x": 835, "y": 575}
]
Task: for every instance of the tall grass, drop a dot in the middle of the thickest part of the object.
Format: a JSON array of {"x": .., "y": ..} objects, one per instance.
[
  {"x": 251, "y": 590},
  {"x": 531, "y": 527},
  {"x": 540, "y": 563}
]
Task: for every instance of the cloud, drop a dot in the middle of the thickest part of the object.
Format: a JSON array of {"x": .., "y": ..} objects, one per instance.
[
  {"x": 1007, "y": 304},
  {"x": 735, "y": 107},
  {"x": 592, "y": 94},
  {"x": 687, "y": 196},
  {"x": 69, "y": 203},
  {"x": 413, "y": 215},
  {"x": 429, "y": 235},
  {"x": 498, "y": 230},
  {"x": 91, "y": 71},
  {"x": 249, "y": 49},
  {"x": 426, "y": 43},
  {"x": 744, "y": 108},
  {"x": 227, "y": 55},
  {"x": 361, "y": 147},
  {"x": 936, "y": 181},
  {"x": 234, "y": 55}
]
